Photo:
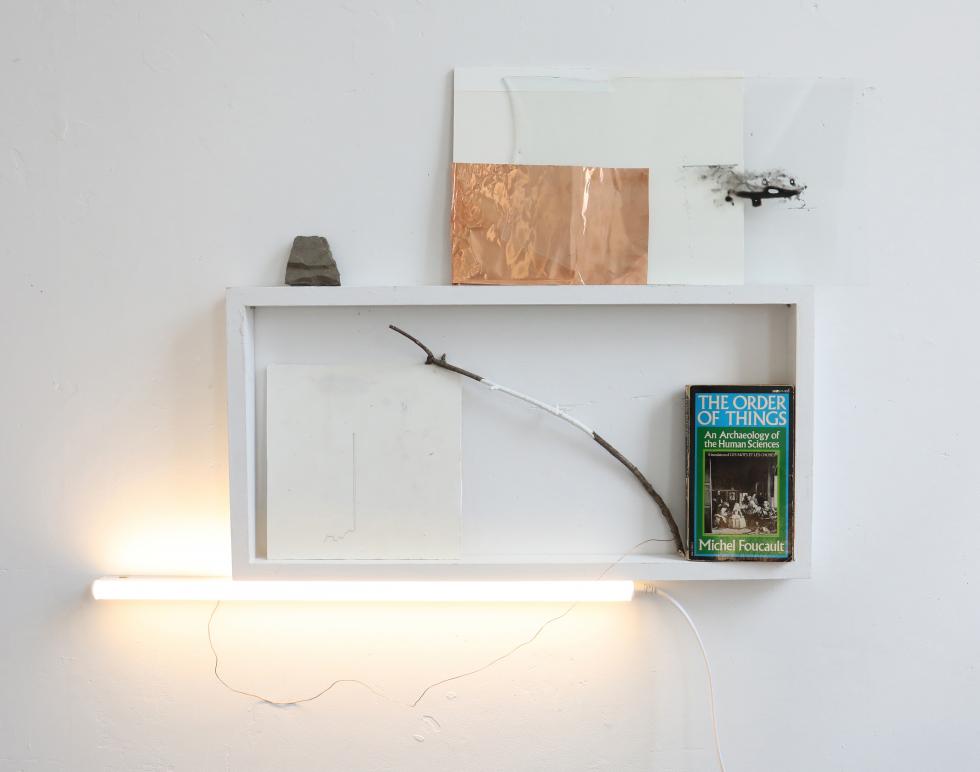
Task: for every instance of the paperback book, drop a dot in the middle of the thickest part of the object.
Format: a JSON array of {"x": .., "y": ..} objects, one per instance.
[{"x": 740, "y": 443}]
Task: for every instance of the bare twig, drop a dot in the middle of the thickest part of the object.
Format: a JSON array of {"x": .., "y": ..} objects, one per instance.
[{"x": 432, "y": 359}]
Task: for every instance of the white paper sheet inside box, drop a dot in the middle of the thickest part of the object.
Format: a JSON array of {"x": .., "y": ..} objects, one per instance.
[{"x": 363, "y": 462}]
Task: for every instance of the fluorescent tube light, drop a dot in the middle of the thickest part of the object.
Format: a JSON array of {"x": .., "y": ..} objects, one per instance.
[{"x": 181, "y": 588}]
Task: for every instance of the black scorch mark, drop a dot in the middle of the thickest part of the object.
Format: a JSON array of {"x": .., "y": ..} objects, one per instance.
[{"x": 754, "y": 186}]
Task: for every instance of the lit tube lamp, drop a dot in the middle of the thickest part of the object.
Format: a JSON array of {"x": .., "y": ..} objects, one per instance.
[{"x": 218, "y": 589}]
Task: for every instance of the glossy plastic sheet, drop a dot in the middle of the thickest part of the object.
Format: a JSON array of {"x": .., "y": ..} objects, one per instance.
[{"x": 519, "y": 224}]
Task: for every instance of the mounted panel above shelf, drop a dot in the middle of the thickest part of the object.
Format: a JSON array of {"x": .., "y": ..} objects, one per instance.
[{"x": 538, "y": 501}]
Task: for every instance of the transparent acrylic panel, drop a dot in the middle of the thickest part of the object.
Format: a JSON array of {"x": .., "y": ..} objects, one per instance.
[{"x": 812, "y": 129}]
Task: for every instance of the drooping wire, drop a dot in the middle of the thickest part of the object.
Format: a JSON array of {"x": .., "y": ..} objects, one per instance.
[
  {"x": 269, "y": 700},
  {"x": 707, "y": 665},
  {"x": 537, "y": 632},
  {"x": 657, "y": 591},
  {"x": 428, "y": 688}
]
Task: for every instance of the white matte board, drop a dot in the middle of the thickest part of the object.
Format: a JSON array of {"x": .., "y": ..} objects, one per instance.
[
  {"x": 363, "y": 462},
  {"x": 585, "y": 117}
]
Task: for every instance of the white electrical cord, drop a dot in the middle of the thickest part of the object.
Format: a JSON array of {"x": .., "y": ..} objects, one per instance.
[{"x": 707, "y": 665}]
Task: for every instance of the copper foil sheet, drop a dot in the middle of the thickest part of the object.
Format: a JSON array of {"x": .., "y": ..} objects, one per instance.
[{"x": 517, "y": 224}]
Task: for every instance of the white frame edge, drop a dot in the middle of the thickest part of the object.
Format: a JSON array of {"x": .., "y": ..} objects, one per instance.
[{"x": 240, "y": 337}]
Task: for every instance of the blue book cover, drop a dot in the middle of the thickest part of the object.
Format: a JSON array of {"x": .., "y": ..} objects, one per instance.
[{"x": 740, "y": 472}]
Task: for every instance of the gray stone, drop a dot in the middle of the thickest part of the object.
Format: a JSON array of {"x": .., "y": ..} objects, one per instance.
[{"x": 311, "y": 263}]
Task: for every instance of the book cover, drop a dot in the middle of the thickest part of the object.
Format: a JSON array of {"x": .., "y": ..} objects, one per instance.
[{"x": 740, "y": 472}]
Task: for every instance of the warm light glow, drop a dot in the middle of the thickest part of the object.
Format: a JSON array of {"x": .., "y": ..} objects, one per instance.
[{"x": 179, "y": 588}]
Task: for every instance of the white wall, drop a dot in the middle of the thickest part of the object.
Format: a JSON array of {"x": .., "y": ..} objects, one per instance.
[{"x": 153, "y": 153}]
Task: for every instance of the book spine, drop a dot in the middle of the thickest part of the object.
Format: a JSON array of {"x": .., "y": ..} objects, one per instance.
[{"x": 688, "y": 471}]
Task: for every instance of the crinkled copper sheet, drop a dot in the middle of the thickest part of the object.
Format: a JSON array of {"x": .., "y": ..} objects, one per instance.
[{"x": 517, "y": 224}]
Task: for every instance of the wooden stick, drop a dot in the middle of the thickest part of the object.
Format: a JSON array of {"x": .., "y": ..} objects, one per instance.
[{"x": 555, "y": 410}]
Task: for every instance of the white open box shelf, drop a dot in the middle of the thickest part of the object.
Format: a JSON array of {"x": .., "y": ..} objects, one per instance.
[{"x": 539, "y": 500}]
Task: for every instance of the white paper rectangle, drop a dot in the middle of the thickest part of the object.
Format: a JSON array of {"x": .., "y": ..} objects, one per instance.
[
  {"x": 582, "y": 117},
  {"x": 362, "y": 462}
]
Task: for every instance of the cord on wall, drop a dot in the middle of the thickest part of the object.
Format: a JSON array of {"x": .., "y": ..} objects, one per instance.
[
  {"x": 643, "y": 588},
  {"x": 429, "y": 687},
  {"x": 707, "y": 664}
]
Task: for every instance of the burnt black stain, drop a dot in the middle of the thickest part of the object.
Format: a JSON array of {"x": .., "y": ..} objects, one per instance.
[
  {"x": 754, "y": 186},
  {"x": 756, "y": 196}
]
